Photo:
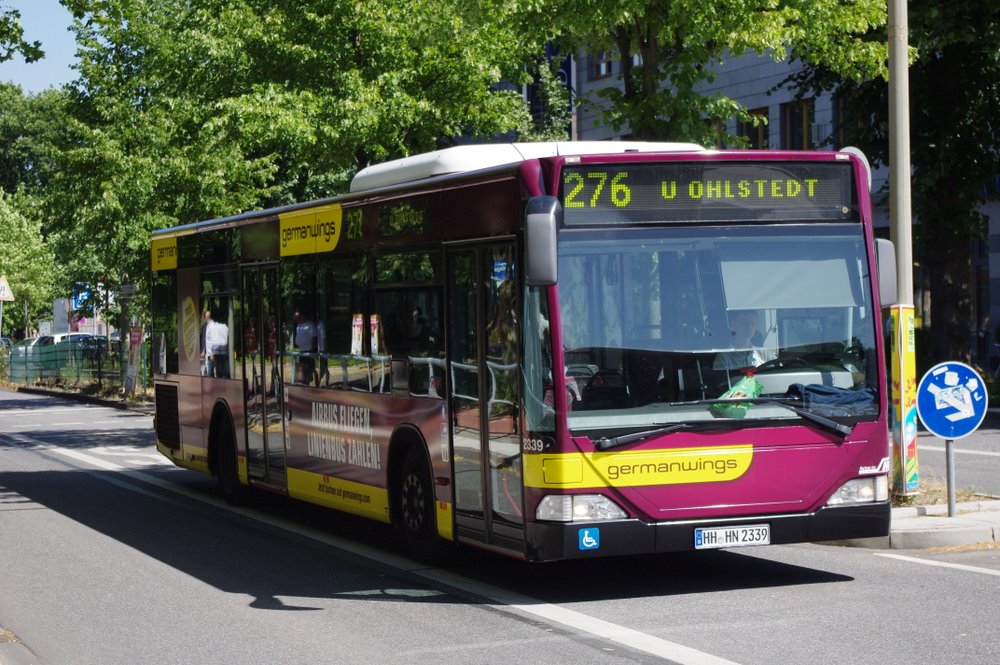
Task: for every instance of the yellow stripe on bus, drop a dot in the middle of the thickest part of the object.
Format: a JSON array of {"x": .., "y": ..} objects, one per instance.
[
  {"x": 623, "y": 468},
  {"x": 345, "y": 495}
]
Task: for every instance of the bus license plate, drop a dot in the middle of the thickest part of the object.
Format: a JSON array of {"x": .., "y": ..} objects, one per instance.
[{"x": 732, "y": 536}]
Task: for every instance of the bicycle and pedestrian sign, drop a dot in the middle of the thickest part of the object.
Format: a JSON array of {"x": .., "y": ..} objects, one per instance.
[
  {"x": 951, "y": 403},
  {"x": 951, "y": 400}
]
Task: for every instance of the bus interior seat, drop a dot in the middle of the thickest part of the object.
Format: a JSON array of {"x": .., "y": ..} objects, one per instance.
[{"x": 606, "y": 389}]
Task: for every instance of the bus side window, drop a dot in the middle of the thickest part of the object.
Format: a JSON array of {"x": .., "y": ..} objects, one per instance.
[
  {"x": 344, "y": 356},
  {"x": 298, "y": 287},
  {"x": 408, "y": 303}
]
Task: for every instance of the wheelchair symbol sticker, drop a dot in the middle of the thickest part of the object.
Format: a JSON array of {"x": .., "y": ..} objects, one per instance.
[{"x": 590, "y": 539}]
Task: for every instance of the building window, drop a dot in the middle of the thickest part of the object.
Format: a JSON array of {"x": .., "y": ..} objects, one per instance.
[
  {"x": 600, "y": 66},
  {"x": 796, "y": 124},
  {"x": 754, "y": 132}
]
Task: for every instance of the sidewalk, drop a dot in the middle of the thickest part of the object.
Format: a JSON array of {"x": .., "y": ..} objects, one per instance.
[{"x": 921, "y": 527}]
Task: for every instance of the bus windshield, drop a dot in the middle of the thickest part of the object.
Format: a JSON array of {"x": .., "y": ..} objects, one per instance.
[{"x": 659, "y": 323}]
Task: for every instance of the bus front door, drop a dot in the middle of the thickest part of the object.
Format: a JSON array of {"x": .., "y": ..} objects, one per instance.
[
  {"x": 483, "y": 344},
  {"x": 265, "y": 393}
]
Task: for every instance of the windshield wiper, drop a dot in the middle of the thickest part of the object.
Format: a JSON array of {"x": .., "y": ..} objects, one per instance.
[
  {"x": 604, "y": 443},
  {"x": 822, "y": 421}
]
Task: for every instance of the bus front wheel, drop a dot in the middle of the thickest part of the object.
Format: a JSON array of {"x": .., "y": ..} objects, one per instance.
[{"x": 415, "y": 502}]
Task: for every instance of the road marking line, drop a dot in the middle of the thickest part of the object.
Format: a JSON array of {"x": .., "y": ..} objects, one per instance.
[
  {"x": 678, "y": 653},
  {"x": 940, "y": 564},
  {"x": 959, "y": 451}
]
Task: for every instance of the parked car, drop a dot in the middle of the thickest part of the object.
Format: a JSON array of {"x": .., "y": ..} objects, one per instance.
[
  {"x": 33, "y": 358},
  {"x": 78, "y": 346}
]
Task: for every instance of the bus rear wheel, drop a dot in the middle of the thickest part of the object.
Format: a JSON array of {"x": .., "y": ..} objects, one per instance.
[{"x": 226, "y": 469}]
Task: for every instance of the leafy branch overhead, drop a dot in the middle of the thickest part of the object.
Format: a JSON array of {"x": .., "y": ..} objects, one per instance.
[{"x": 670, "y": 51}]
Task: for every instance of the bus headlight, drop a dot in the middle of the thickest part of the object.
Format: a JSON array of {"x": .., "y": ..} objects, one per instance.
[
  {"x": 578, "y": 508},
  {"x": 861, "y": 490}
]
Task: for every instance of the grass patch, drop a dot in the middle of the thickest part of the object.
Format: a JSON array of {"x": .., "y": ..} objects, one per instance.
[{"x": 933, "y": 493}]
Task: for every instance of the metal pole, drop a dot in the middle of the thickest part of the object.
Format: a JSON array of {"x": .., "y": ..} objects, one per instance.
[
  {"x": 899, "y": 149},
  {"x": 949, "y": 456},
  {"x": 902, "y": 314}
]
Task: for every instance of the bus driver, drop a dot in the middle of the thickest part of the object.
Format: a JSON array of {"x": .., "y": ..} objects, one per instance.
[{"x": 746, "y": 342}]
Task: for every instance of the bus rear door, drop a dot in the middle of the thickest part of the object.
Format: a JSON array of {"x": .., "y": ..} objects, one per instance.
[{"x": 262, "y": 369}]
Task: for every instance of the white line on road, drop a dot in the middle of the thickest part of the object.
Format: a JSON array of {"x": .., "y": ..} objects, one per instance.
[
  {"x": 678, "y": 653},
  {"x": 959, "y": 451},
  {"x": 940, "y": 564}
]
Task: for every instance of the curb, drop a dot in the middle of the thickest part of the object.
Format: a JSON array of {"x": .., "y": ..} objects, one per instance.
[
  {"x": 919, "y": 527},
  {"x": 941, "y": 509},
  {"x": 924, "y": 532},
  {"x": 142, "y": 407}
]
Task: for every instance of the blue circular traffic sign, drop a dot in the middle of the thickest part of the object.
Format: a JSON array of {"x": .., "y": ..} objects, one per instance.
[{"x": 951, "y": 400}]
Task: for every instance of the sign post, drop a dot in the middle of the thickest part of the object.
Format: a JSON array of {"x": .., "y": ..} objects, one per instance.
[
  {"x": 951, "y": 403},
  {"x": 6, "y": 295}
]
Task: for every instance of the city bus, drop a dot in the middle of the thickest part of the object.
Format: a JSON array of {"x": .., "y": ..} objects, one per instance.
[{"x": 546, "y": 350}]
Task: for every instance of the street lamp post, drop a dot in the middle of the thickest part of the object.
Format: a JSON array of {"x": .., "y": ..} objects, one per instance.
[{"x": 904, "y": 375}]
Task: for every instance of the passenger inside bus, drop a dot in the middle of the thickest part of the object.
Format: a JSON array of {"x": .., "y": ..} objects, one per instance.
[
  {"x": 421, "y": 337},
  {"x": 306, "y": 344},
  {"x": 216, "y": 347}
]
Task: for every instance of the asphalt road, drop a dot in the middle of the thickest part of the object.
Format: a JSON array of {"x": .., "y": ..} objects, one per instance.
[{"x": 109, "y": 555}]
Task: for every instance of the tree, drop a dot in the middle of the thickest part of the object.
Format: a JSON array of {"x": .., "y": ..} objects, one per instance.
[
  {"x": 27, "y": 261},
  {"x": 12, "y": 40},
  {"x": 192, "y": 109},
  {"x": 33, "y": 131},
  {"x": 551, "y": 114},
  {"x": 669, "y": 48},
  {"x": 954, "y": 84}
]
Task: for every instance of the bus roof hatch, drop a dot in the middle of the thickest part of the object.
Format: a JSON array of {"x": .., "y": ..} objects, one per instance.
[{"x": 464, "y": 158}]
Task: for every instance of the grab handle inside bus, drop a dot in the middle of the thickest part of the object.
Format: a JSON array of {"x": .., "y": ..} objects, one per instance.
[{"x": 542, "y": 216}]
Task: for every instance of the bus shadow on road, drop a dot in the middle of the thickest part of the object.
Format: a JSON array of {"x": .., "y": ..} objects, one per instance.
[
  {"x": 281, "y": 570},
  {"x": 274, "y": 568},
  {"x": 671, "y": 574}
]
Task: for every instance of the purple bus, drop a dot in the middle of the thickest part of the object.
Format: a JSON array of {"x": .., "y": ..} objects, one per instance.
[{"x": 549, "y": 351}]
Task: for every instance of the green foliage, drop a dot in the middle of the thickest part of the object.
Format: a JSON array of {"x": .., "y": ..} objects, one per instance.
[
  {"x": 670, "y": 49},
  {"x": 551, "y": 120},
  {"x": 27, "y": 261},
  {"x": 33, "y": 130},
  {"x": 954, "y": 84},
  {"x": 192, "y": 109},
  {"x": 12, "y": 40}
]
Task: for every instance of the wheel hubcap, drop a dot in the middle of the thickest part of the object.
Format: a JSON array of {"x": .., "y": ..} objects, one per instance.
[{"x": 413, "y": 503}]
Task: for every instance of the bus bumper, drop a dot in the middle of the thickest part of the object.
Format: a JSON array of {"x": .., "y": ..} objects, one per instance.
[{"x": 552, "y": 541}]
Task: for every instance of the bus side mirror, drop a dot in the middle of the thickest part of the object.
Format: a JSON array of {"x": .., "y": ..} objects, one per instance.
[
  {"x": 885, "y": 257},
  {"x": 542, "y": 217}
]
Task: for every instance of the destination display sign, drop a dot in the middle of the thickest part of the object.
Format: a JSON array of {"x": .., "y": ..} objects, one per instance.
[{"x": 698, "y": 191}]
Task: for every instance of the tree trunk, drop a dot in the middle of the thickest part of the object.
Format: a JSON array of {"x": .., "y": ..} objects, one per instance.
[{"x": 949, "y": 263}]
